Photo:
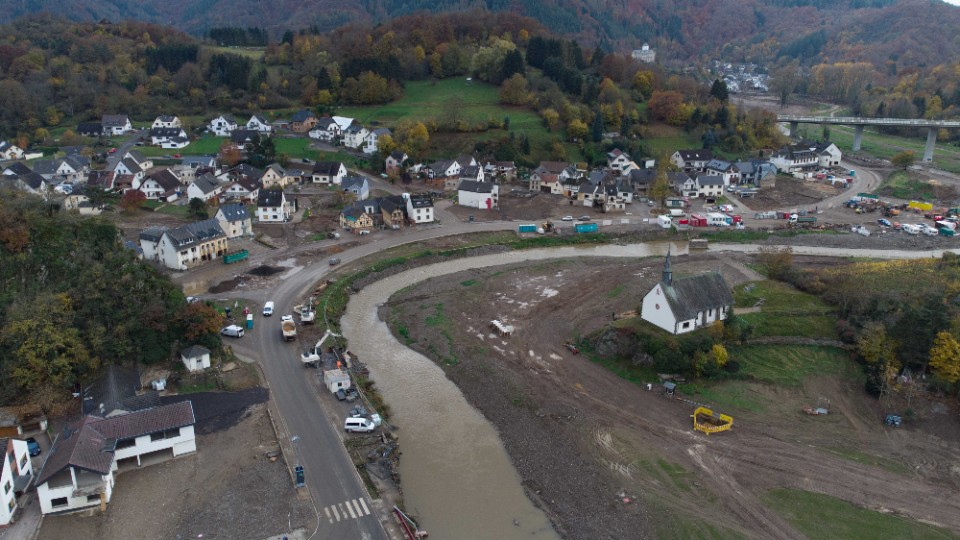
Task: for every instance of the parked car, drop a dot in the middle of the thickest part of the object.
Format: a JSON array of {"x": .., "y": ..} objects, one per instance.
[
  {"x": 232, "y": 331},
  {"x": 268, "y": 309},
  {"x": 334, "y": 261},
  {"x": 359, "y": 425},
  {"x": 584, "y": 218},
  {"x": 341, "y": 395},
  {"x": 352, "y": 395},
  {"x": 192, "y": 299},
  {"x": 884, "y": 222},
  {"x": 566, "y": 218},
  {"x": 33, "y": 447}
]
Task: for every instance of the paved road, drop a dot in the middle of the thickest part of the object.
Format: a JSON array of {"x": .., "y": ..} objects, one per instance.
[{"x": 127, "y": 145}]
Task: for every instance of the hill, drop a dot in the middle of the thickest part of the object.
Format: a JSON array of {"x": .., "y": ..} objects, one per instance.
[{"x": 907, "y": 33}]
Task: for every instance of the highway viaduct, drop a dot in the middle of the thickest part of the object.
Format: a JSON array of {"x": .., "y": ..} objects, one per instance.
[{"x": 859, "y": 123}]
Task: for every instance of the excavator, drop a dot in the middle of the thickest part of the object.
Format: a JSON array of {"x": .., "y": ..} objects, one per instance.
[{"x": 311, "y": 357}]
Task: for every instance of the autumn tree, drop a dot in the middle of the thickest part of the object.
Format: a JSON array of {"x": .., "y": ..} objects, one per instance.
[
  {"x": 132, "y": 199},
  {"x": 230, "y": 153},
  {"x": 200, "y": 323},
  {"x": 577, "y": 129},
  {"x": 875, "y": 346},
  {"x": 945, "y": 357},
  {"x": 515, "y": 90},
  {"x": 667, "y": 106},
  {"x": 719, "y": 355},
  {"x": 412, "y": 138},
  {"x": 904, "y": 160},
  {"x": 660, "y": 189},
  {"x": 551, "y": 118}
]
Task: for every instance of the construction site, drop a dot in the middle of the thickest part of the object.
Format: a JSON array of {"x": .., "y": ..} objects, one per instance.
[{"x": 612, "y": 449}]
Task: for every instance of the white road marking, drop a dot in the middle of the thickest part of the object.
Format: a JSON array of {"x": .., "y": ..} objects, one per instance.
[
  {"x": 363, "y": 503},
  {"x": 327, "y": 510},
  {"x": 350, "y": 509}
]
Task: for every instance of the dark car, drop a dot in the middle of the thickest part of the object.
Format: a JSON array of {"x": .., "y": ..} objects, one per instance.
[
  {"x": 33, "y": 447},
  {"x": 884, "y": 222},
  {"x": 341, "y": 395},
  {"x": 584, "y": 218}
]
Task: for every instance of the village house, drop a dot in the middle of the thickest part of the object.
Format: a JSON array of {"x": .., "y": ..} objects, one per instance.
[
  {"x": 185, "y": 246},
  {"x": 327, "y": 130},
  {"x": 709, "y": 185},
  {"x": 723, "y": 169},
  {"x": 370, "y": 146},
  {"x": 162, "y": 185},
  {"x": 356, "y": 218},
  {"x": 244, "y": 137},
  {"x": 129, "y": 167},
  {"x": 192, "y": 166},
  {"x": 685, "y": 304},
  {"x": 443, "y": 169},
  {"x": 303, "y": 121},
  {"x": 195, "y": 358},
  {"x": 116, "y": 124},
  {"x": 328, "y": 172},
  {"x": 692, "y": 160},
  {"x": 394, "y": 162},
  {"x": 10, "y": 151},
  {"x": 205, "y": 188},
  {"x": 235, "y": 220},
  {"x": 393, "y": 211},
  {"x": 101, "y": 179},
  {"x": 354, "y": 136},
  {"x": 617, "y": 160},
  {"x": 166, "y": 121},
  {"x": 259, "y": 123},
  {"x": 688, "y": 188},
  {"x": 480, "y": 195},
  {"x": 474, "y": 173},
  {"x": 16, "y": 169},
  {"x": 272, "y": 206},
  {"x": 169, "y": 137},
  {"x": 294, "y": 176},
  {"x": 79, "y": 202},
  {"x": 90, "y": 129},
  {"x": 16, "y": 472},
  {"x": 357, "y": 185},
  {"x": 31, "y": 183},
  {"x": 17, "y": 421},
  {"x": 244, "y": 188},
  {"x": 241, "y": 171},
  {"x": 79, "y": 471},
  {"x": 273, "y": 176},
  {"x": 222, "y": 126},
  {"x": 506, "y": 170},
  {"x": 797, "y": 159},
  {"x": 419, "y": 208}
]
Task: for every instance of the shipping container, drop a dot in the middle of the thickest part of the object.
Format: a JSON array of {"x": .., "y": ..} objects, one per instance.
[
  {"x": 697, "y": 220},
  {"x": 235, "y": 256},
  {"x": 528, "y": 228},
  {"x": 585, "y": 227}
]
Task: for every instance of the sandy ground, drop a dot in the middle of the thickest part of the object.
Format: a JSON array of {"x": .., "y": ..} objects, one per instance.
[
  {"x": 585, "y": 441},
  {"x": 229, "y": 488}
]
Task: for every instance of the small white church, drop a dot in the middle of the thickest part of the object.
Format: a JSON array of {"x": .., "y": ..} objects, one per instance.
[{"x": 685, "y": 304}]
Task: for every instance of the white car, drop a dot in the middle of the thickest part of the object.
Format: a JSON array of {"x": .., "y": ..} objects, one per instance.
[
  {"x": 268, "y": 309},
  {"x": 566, "y": 218},
  {"x": 232, "y": 331}
]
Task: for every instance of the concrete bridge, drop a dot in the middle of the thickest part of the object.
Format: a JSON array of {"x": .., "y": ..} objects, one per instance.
[{"x": 859, "y": 123}]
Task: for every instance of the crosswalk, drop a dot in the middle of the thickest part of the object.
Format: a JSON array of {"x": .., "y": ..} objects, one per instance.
[{"x": 352, "y": 509}]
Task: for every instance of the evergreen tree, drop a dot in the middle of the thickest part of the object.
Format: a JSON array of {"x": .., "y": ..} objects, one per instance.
[
  {"x": 512, "y": 63},
  {"x": 597, "y": 129},
  {"x": 719, "y": 91}
]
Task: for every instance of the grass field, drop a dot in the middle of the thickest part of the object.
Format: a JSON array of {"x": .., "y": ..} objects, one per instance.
[
  {"x": 788, "y": 365},
  {"x": 785, "y": 311},
  {"x": 821, "y": 517},
  {"x": 905, "y": 185},
  {"x": 253, "y": 53}
]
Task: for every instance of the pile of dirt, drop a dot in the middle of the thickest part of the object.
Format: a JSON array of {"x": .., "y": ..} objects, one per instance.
[
  {"x": 265, "y": 271},
  {"x": 224, "y": 286}
]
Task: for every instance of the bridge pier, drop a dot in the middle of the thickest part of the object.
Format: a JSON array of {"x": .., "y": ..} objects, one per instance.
[
  {"x": 931, "y": 142},
  {"x": 857, "y": 138},
  {"x": 793, "y": 129}
]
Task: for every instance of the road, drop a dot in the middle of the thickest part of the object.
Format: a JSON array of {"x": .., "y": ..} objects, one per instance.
[{"x": 128, "y": 144}]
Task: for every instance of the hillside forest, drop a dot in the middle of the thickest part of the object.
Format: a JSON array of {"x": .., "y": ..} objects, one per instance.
[
  {"x": 74, "y": 299},
  {"x": 56, "y": 73}
]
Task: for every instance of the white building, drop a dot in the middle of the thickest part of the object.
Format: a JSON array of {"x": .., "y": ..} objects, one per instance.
[
  {"x": 16, "y": 471},
  {"x": 116, "y": 124},
  {"x": 185, "y": 246},
  {"x": 644, "y": 54},
  {"x": 327, "y": 129},
  {"x": 328, "y": 172},
  {"x": 419, "y": 208},
  {"x": 354, "y": 136},
  {"x": 235, "y": 220},
  {"x": 686, "y": 304},
  {"x": 195, "y": 358},
  {"x": 79, "y": 471},
  {"x": 480, "y": 195},
  {"x": 372, "y": 139},
  {"x": 259, "y": 123},
  {"x": 166, "y": 121},
  {"x": 10, "y": 151},
  {"x": 222, "y": 126},
  {"x": 691, "y": 160},
  {"x": 272, "y": 206}
]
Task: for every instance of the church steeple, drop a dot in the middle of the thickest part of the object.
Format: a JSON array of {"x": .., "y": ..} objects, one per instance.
[{"x": 667, "y": 271}]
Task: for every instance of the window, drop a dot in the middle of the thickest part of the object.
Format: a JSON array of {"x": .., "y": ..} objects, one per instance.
[
  {"x": 60, "y": 501},
  {"x": 23, "y": 462},
  {"x": 126, "y": 443},
  {"x": 6, "y": 487},
  {"x": 93, "y": 498},
  {"x": 167, "y": 434},
  {"x": 686, "y": 324}
]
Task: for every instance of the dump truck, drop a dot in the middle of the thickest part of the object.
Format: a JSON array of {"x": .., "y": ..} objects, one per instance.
[{"x": 288, "y": 328}]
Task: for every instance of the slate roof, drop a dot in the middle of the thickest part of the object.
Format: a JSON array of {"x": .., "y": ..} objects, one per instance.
[
  {"x": 112, "y": 388},
  {"x": 325, "y": 123},
  {"x": 718, "y": 165},
  {"x": 117, "y": 120},
  {"x": 165, "y": 132},
  {"x": 398, "y": 156},
  {"x": 166, "y": 118},
  {"x": 191, "y": 234},
  {"x": 198, "y": 161},
  {"x": 244, "y": 135},
  {"x": 470, "y": 172},
  {"x": 709, "y": 180},
  {"x": 206, "y": 184},
  {"x": 258, "y": 118},
  {"x": 421, "y": 201},
  {"x": 103, "y": 179},
  {"x": 152, "y": 234},
  {"x": 234, "y": 212},
  {"x": 245, "y": 169},
  {"x": 131, "y": 165},
  {"x": 326, "y": 167},
  {"x": 167, "y": 180},
  {"x": 302, "y": 116},
  {"x": 393, "y": 203},
  {"x": 194, "y": 351},
  {"x": 695, "y": 155},
  {"x": 688, "y": 296},
  {"x": 476, "y": 187},
  {"x": 354, "y": 183},
  {"x": 18, "y": 168},
  {"x": 270, "y": 198},
  {"x": 45, "y": 167},
  {"x": 555, "y": 167},
  {"x": 135, "y": 155},
  {"x": 90, "y": 128},
  {"x": 440, "y": 167},
  {"x": 354, "y": 211},
  {"x": 465, "y": 160},
  {"x": 354, "y": 128},
  {"x": 34, "y": 180},
  {"x": 381, "y": 131},
  {"x": 89, "y": 443},
  {"x": 249, "y": 184}
]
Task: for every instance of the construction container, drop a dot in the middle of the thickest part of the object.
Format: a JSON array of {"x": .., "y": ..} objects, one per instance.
[
  {"x": 528, "y": 228},
  {"x": 235, "y": 256},
  {"x": 697, "y": 220},
  {"x": 585, "y": 227}
]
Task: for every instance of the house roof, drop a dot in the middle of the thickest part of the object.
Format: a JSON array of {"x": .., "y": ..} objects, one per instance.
[
  {"x": 393, "y": 203},
  {"x": 166, "y": 179},
  {"x": 191, "y": 234},
  {"x": 470, "y": 172},
  {"x": 114, "y": 120},
  {"x": 244, "y": 135},
  {"x": 718, "y": 164},
  {"x": 135, "y": 155},
  {"x": 442, "y": 165},
  {"x": 200, "y": 161},
  {"x": 131, "y": 165},
  {"x": 249, "y": 184},
  {"x": 354, "y": 128},
  {"x": 302, "y": 116},
  {"x": 695, "y": 155},
  {"x": 227, "y": 118},
  {"x": 421, "y": 201},
  {"x": 555, "y": 167},
  {"x": 103, "y": 179},
  {"x": 688, "y": 296},
  {"x": 381, "y": 131},
  {"x": 32, "y": 179},
  {"x": 270, "y": 198},
  {"x": 111, "y": 389},
  {"x": 206, "y": 184},
  {"x": 245, "y": 169},
  {"x": 465, "y": 160},
  {"x": 194, "y": 351},
  {"x": 327, "y": 167},
  {"x": 398, "y": 155},
  {"x": 45, "y": 166},
  {"x": 17, "y": 168},
  {"x": 166, "y": 132},
  {"x": 615, "y": 153},
  {"x": 354, "y": 211},
  {"x": 258, "y": 118},
  {"x": 89, "y": 127},
  {"x": 234, "y": 212},
  {"x": 152, "y": 234},
  {"x": 354, "y": 183},
  {"x": 709, "y": 180},
  {"x": 325, "y": 123},
  {"x": 90, "y": 442},
  {"x": 166, "y": 118},
  {"x": 476, "y": 187}
]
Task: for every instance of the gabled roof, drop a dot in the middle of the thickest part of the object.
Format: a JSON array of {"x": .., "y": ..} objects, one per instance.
[
  {"x": 152, "y": 234},
  {"x": 244, "y": 135},
  {"x": 354, "y": 128},
  {"x": 165, "y": 132},
  {"x": 114, "y": 120},
  {"x": 89, "y": 443},
  {"x": 441, "y": 166},
  {"x": 32, "y": 179},
  {"x": 476, "y": 187},
  {"x": 248, "y": 183},
  {"x": 45, "y": 166},
  {"x": 166, "y": 118},
  {"x": 245, "y": 169},
  {"x": 688, "y": 296},
  {"x": 229, "y": 119},
  {"x": 275, "y": 167},
  {"x": 354, "y": 211},
  {"x": 709, "y": 180},
  {"x": 398, "y": 156},
  {"x": 327, "y": 167},
  {"x": 393, "y": 203},
  {"x": 302, "y": 116},
  {"x": 718, "y": 165},
  {"x": 77, "y": 161},
  {"x": 200, "y": 161},
  {"x": 615, "y": 153},
  {"x": 17, "y": 168},
  {"x": 470, "y": 172},
  {"x": 206, "y": 184},
  {"x": 351, "y": 183},
  {"x": 695, "y": 155},
  {"x": 234, "y": 212},
  {"x": 421, "y": 201},
  {"x": 270, "y": 198},
  {"x": 166, "y": 179},
  {"x": 103, "y": 179},
  {"x": 135, "y": 155},
  {"x": 194, "y": 351},
  {"x": 555, "y": 167},
  {"x": 89, "y": 127},
  {"x": 131, "y": 165},
  {"x": 191, "y": 234},
  {"x": 325, "y": 123},
  {"x": 109, "y": 392},
  {"x": 258, "y": 118},
  {"x": 381, "y": 131}
]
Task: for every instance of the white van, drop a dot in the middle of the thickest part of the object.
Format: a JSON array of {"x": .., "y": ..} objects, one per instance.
[
  {"x": 232, "y": 331},
  {"x": 268, "y": 309},
  {"x": 664, "y": 221},
  {"x": 358, "y": 425},
  {"x": 676, "y": 212}
]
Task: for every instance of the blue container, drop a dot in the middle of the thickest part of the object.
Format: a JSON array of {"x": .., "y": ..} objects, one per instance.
[
  {"x": 585, "y": 227},
  {"x": 250, "y": 321}
]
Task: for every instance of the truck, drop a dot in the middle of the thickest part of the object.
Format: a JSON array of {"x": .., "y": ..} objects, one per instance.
[
  {"x": 864, "y": 197},
  {"x": 306, "y": 312},
  {"x": 716, "y": 219},
  {"x": 288, "y": 328},
  {"x": 311, "y": 357},
  {"x": 235, "y": 256},
  {"x": 585, "y": 227},
  {"x": 794, "y": 218}
]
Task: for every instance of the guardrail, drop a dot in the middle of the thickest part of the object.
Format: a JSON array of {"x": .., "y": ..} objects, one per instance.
[{"x": 855, "y": 120}]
